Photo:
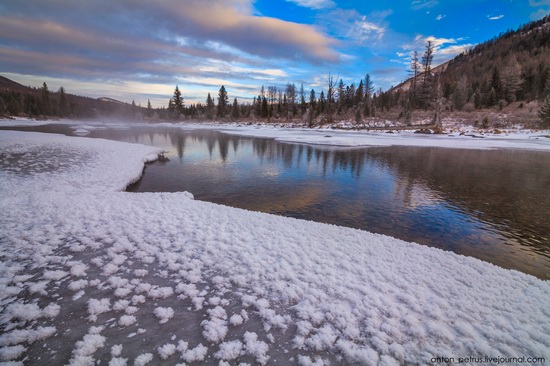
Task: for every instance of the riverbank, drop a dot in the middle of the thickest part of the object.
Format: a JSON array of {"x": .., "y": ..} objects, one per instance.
[
  {"x": 93, "y": 273},
  {"x": 456, "y": 135}
]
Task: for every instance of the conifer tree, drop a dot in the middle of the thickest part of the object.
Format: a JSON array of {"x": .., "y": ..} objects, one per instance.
[
  {"x": 312, "y": 100},
  {"x": 177, "y": 102},
  {"x": 235, "y": 112},
  {"x": 209, "y": 107},
  {"x": 45, "y": 100},
  {"x": 544, "y": 113},
  {"x": 223, "y": 101},
  {"x": 359, "y": 93},
  {"x": 63, "y": 110},
  {"x": 414, "y": 72},
  {"x": 302, "y": 98},
  {"x": 426, "y": 90}
]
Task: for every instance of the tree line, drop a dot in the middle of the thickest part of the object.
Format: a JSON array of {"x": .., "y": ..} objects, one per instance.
[{"x": 284, "y": 103}]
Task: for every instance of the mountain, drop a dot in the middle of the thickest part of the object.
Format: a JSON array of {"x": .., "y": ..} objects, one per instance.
[{"x": 512, "y": 67}]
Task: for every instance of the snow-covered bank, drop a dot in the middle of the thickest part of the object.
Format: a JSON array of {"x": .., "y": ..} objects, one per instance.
[
  {"x": 511, "y": 140},
  {"x": 461, "y": 137},
  {"x": 89, "y": 272}
]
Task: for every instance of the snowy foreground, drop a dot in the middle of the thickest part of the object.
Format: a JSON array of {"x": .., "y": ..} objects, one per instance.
[{"x": 91, "y": 273}]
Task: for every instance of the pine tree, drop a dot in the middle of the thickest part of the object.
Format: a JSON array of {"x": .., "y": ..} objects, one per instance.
[
  {"x": 414, "y": 72},
  {"x": 302, "y": 98},
  {"x": 235, "y": 112},
  {"x": 149, "y": 109},
  {"x": 209, "y": 107},
  {"x": 369, "y": 87},
  {"x": 369, "y": 92},
  {"x": 359, "y": 93},
  {"x": 223, "y": 101},
  {"x": 341, "y": 94},
  {"x": 312, "y": 99},
  {"x": 321, "y": 104},
  {"x": 264, "y": 111},
  {"x": 63, "y": 108},
  {"x": 177, "y": 102},
  {"x": 427, "y": 59},
  {"x": 45, "y": 101},
  {"x": 426, "y": 90},
  {"x": 544, "y": 113}
]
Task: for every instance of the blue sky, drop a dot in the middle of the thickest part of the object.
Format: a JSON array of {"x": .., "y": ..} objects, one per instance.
[{"x": 140, "y": 49}]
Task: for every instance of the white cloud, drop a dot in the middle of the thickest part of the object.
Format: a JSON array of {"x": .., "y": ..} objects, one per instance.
[
  {"x": 496, "y": 17},
  {"x": 314, "y": 4},
  {"x": 364, "y": 30},
  {"x": 422, "y": 4},
  {"x": 440, "y": 16}
]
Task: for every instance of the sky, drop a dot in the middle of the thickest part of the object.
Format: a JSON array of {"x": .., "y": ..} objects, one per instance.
[{"x": 141, "y": 49}]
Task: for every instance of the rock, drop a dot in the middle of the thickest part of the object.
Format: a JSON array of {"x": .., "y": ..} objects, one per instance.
[{"x": 424, "y": 131}]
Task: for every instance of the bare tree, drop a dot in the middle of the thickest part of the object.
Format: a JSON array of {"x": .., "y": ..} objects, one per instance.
[
  {"x": 414, "y": 72},
  {"x": 330, "y": 97}
]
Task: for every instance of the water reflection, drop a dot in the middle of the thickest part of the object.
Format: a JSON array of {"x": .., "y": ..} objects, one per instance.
[
  {"x": 493, "y": 205},
  {"x": 487, "y": 204}
]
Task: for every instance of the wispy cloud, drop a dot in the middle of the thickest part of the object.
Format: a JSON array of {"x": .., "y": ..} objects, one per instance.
[
  {"x": 314, "y": 4},
  {"x": 495, "y": 17},
  {"x": 423, "y": 4},
  {"x": 440, "y": 16},
  {"x": 354, "y": 26},
  {"x": 364, "y": 30}
]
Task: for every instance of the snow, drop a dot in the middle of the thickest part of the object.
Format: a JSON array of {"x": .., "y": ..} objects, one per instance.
[
  {"x": 11, "y": 352},
  {"x": 96, "y": 307},
  {"x": 126, "y": 320},
  {"x": 458, "y": 140},
  {"x": 166, "y": 351},
  {"x": 227, "y": 284},
  {"x": 143, "y": 359},
  {"x": 164, "y": 314}
]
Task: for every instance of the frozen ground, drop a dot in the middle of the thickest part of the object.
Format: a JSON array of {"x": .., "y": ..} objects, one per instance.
[{"x": 91, "y": 273}]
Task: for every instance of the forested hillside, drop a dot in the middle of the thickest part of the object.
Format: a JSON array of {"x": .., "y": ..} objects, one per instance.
[
  {"x": 512, "y": 67},
  {"x": 20, "y": 100}
]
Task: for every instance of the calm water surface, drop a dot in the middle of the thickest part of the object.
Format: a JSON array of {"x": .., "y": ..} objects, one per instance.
[{"x": 490, "y": 204}]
